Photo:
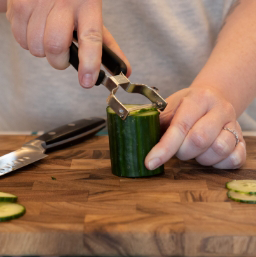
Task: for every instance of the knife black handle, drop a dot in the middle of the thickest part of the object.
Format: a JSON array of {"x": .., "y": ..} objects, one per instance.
[
  {"x": 72, "y": 132},
  {"x": 109, "y": 59}
]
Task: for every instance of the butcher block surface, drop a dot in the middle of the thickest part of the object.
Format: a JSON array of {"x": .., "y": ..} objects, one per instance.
[{"x": 75, "y": 206}]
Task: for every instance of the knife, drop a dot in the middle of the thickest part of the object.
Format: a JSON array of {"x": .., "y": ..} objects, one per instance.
[{"x": 35, "y": 150}]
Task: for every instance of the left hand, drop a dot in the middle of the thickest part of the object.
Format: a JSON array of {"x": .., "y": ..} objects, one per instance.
[{"x": 194, "y": 122}]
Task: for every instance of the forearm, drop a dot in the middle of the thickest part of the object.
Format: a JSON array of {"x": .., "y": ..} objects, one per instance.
[
  {"x": 3, "y": 5},
  {"x": 231, "y": 68}
]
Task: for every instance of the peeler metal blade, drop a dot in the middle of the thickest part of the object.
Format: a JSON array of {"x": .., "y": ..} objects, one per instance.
[{"x": 112, "y": 83}]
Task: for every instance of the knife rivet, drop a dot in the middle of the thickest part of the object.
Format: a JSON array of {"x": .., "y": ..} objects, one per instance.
[
  {"x": 71, "y": 124},
  {"x": 21, "y": 160},
  {"x": 52, "y": 133},
  {"x": 27, "y": 158}
]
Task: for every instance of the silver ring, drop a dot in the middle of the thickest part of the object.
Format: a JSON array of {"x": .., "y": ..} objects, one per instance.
[{"x": 234, "y": 133}]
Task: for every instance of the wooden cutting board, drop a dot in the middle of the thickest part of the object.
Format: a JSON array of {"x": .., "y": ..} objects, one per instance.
[{"x": 89, "y": 211}]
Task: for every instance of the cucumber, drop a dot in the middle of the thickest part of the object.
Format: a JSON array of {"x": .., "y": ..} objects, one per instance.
[
  {"x": 6, "y": 197},
  {"x": 9, "y": 211},
  {"x": 130, "y": 141},
  {"x": 241, "y": 197},
  {"x": 242, "y": 186}
]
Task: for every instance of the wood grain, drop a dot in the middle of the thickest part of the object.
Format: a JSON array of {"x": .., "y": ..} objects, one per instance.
[{"x": 88, "y": 211}]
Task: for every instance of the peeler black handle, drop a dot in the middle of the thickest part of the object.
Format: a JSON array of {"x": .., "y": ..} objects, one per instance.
[{"x": 109, "y": 59}]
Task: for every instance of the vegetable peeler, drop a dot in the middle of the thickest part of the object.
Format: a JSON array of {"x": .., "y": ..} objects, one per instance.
[{"x": 118, "y": 68}]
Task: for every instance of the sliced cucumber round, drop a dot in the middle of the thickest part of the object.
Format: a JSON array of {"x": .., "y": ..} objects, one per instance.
[
  {"x": 9, "y": 211},
  {"x": 241, "y": 197},
  {"x": 6, "y": 197},
  {"x": 242, "y": 186}
]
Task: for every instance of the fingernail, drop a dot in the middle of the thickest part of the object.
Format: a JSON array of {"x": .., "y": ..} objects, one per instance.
[
  {"x": 87, "y": 80},
  {"x": 235, "y": 158},
  {"x": 242, "y": 144},
  {"x": 154, "y": 163}
]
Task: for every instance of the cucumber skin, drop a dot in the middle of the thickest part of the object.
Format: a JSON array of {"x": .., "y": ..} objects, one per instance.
[
  {"x": 14, "y": 216},
  {"x": 8, "y": 199},
  {"x": 130, "y": 141}
]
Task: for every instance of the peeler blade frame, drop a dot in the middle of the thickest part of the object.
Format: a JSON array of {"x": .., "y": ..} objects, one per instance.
[{"x": 113, "y": 83}]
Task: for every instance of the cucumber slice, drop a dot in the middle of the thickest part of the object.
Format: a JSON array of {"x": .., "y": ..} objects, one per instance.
[
  {"x": 241, "y": 197},
  {"x": 130, "y": 140},
  {"x": 9, "y": 211},
  {"x": 6, "y": 197},
  {"x": 242, "y": 186}
]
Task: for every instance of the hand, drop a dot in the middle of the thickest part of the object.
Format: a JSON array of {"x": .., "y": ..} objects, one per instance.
[
  {"x": 45, "y": 28},
  {"x": 193, "y": 123}
]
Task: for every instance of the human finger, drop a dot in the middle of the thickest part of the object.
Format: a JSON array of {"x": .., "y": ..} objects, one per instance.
[
  {"x": 205, "y": 131},
  {"x": 222, "y": 147},
  {"x": 90, "y": 42},
  {"x": 174, "y": 101},
  {"x": 235, "y": 160},
  {"x": 36, "y": 28},
  {"x": 19, "y": 13},
  {"x": 9, "y": 11},
  {"x": 174, "y": 136},
  {"x": 59, "y": 34}
]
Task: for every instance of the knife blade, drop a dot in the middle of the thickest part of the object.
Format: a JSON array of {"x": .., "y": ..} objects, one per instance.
[{"x": 35, "y": 149}]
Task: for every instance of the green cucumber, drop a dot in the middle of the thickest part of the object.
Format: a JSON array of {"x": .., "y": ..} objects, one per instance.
[
  {"x": 6, "y": 197},
  {"x": 9, "y": 211},
  {"x": 241, "y": 197},
  {"x": 130, "y": 141},
  {"x": 242, "y": 186}
]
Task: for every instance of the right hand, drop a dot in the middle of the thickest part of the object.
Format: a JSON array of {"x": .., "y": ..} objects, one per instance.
[{"x": 45, "y": 28}]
